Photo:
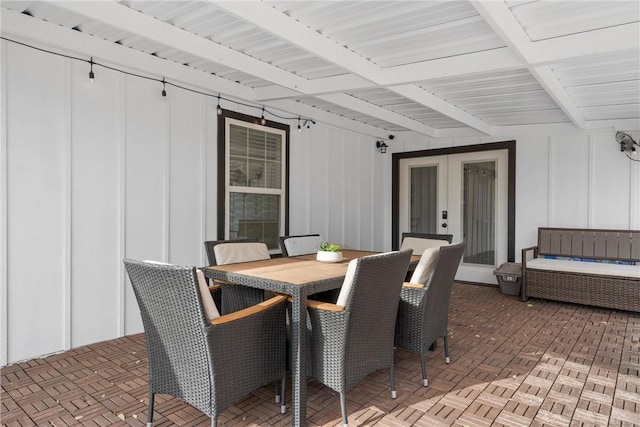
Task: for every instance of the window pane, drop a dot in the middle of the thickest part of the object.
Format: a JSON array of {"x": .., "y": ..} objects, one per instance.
[
  {"x": 256, "y": 144},
  {"x": 255, "y": 158},
  {"x": 273, "y": 175},
  {"x": 256, "y": 173},
  {"x": 238, "y": 141},
  {"x": 478, "y": 212},
  {"x": 238, "y": 171},
  {"x": 274, "y": 147},
  {"x": 255, "y": 216},
  {"x": 424, "y": 199}
]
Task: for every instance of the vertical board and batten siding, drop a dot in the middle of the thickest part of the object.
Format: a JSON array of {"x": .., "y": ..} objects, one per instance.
[
  {"x": 96, "y": 173},
  {"x": 333, "y": 187},
  {"x": 36, "y": 137},
  {"x": 4, "y": 245},
  {"x": 146, "y": 178},
  {"x": 569, "y": 178},
  {"x": 186, "y": 187},
  {"x": 96, "y": 178}
]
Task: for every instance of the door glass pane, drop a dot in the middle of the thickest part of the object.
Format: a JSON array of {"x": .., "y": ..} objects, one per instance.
[
  {"x": 255, "y": 216},
  {"x": 424, "y": 197},
  {"x": 478, "y": 212}
]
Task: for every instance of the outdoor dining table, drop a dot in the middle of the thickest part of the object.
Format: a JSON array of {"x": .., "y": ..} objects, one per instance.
[{"x": 298, "y": 277}]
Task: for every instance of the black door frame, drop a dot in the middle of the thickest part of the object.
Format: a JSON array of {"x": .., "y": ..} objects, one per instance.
[{"x": 510, "y": 146}]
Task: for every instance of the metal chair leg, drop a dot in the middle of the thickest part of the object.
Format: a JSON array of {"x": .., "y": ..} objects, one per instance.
[
  {"x": 393, "y": 382},
  {"x": 150, "y": 416},
  {"x": 343, "y": 407},
  {"x": 283, "y": 402},
  {"x": 214, "y": 421},
  {"x": 446, "y": 350},
  {"x": 425, "y": 381}
]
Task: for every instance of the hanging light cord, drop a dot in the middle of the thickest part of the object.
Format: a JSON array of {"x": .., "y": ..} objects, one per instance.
[{"x": 164, "y": 82}]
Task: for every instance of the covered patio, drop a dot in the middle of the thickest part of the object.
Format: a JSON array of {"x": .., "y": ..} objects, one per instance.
[
  {"x": 513, "y": 363},
  {"x": 141, "y": 129}
]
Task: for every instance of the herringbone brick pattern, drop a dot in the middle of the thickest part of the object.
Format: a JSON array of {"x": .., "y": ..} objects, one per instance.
[{"x": 540, "y": 363}]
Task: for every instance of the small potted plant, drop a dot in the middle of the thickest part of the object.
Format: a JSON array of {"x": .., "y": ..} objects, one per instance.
[{"x": 329, "y": 252}]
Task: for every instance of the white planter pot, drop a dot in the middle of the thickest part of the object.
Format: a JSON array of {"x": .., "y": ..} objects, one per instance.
[{"x": 329, "y": 256}]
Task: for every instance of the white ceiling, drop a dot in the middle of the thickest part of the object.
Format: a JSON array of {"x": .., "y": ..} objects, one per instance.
[{"x": 439, "y": 68}]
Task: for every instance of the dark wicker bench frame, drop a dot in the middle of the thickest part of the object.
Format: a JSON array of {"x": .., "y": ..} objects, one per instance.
[{"x": 616, "y": 292}]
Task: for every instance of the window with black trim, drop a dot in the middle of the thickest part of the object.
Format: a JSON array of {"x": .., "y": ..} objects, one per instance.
[{"x": 252, "y": 179}]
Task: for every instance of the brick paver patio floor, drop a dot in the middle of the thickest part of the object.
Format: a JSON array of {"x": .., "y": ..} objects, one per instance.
[{"x": 539, "y": 363}]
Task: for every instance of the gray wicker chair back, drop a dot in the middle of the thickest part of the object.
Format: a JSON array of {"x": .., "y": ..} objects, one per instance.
[
  {"x": 311, "y": 244},
  {"x": 209, "y": 246},
  {"x": 233, "y": 298},
  {"x": 423, "y": 312},
  {"x": 190, "y": 358},
  {"x": 348, "y": 345}
]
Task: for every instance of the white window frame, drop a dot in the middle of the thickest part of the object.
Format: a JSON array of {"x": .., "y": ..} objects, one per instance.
[{"x": 228, "y": 188}]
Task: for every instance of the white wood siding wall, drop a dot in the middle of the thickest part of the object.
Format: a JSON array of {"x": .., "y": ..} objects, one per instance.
[
  {"x": 564, "y": 178},
  {"x": 93, "y": 174}
]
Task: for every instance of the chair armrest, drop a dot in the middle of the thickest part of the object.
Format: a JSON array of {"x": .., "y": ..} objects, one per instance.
[
  {"x": 531, "y": 248},
  {"x": 524, "y": 255},
  {"x": 249, "y": 311},
  {"x": 412, "y": 285},
  {"x": 326, "y": 306},
  {"x": 523, "y": 274}
]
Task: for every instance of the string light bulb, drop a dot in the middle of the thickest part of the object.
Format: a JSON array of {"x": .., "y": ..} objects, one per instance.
[
  {"x": 263, "y": 121},
  {"x": 219, "y": 109},
  {"x": 164, "y": 89},
  {"x": 91, "y": 75},
  {"x": 299, "y": 128}
]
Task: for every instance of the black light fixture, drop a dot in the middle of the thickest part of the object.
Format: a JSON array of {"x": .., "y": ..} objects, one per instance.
[
  {"x": 299, "y": 127},
  {"x": 219, "y": 108},
  {"x": 164, "y": 89},
  {"x": 263, "y": 121},
  {"x": 627, "y": 144},
  {"x": 91, "y": 75},
  {"x": 381, "y": 146}
]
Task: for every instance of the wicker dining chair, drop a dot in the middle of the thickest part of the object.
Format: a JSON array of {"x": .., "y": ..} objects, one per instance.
[
  {"x": 354, "y": 336},
  {"x": 234, "y": 297},
  {"x": 304, "y": 244},
  {"x": 421, "y": 241},
  {"x": 210, "y": 364},
  {"x": 424, "y": 305}
]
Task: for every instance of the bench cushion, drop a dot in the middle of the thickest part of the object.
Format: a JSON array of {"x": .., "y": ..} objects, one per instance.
[{"x": 602, "y": 269}]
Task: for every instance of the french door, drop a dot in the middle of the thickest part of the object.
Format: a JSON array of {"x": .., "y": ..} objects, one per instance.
[{"x": 464, "y": 195}]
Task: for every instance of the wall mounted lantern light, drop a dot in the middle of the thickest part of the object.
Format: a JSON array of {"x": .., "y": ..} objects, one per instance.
[{"x": 381, "y": 146}]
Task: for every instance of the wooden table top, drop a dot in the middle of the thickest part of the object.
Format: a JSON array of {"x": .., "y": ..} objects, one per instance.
[
  {"x": 290, "y": 270},
  {"x": 298, "y": 270}
]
